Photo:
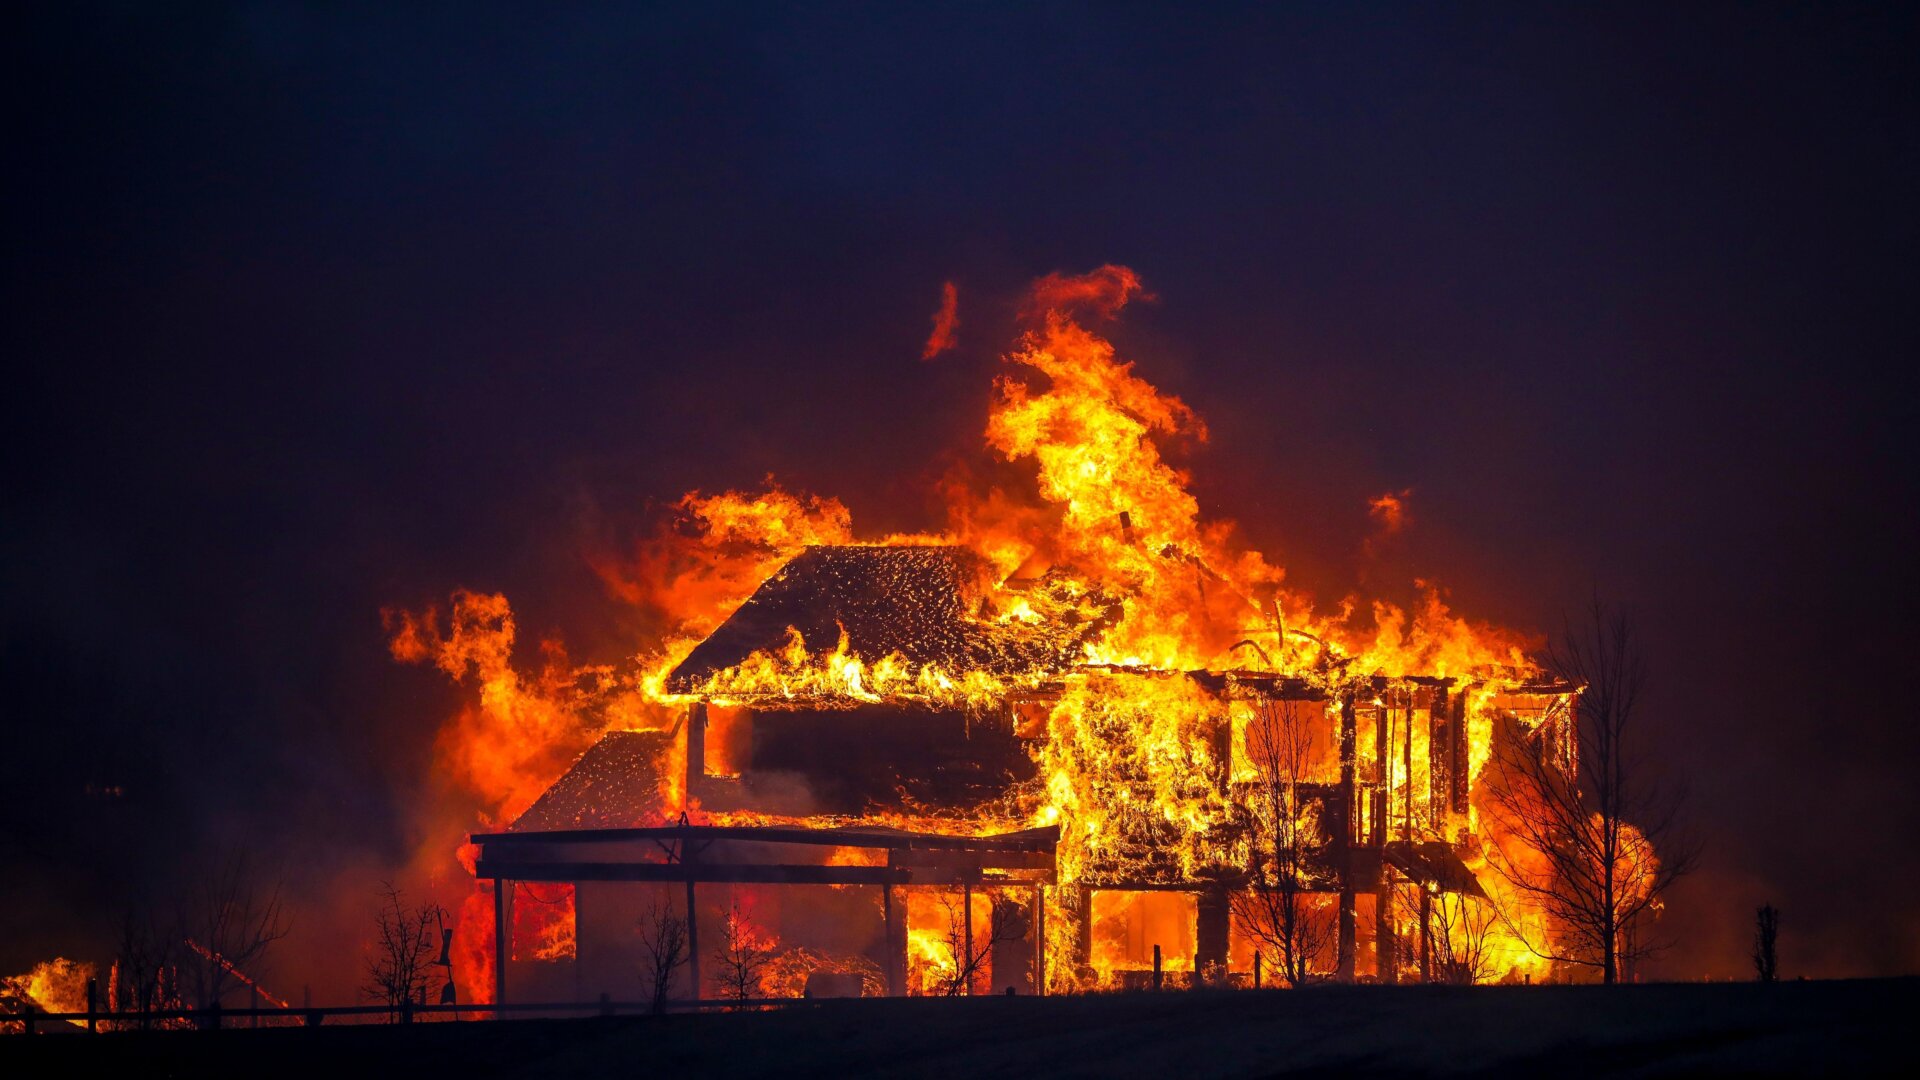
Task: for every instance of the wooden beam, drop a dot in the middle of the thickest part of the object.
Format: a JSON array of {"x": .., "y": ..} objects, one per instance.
[
  {"x": 754, "y": 873},
  {"x": 1026, "y": 840},
  {"x": 973, "y": 860}
]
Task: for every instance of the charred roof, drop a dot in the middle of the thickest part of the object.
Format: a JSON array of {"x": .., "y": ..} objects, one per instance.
[
  {"x": 918, "y": 602},
  {"x": 616, "y": 784}
]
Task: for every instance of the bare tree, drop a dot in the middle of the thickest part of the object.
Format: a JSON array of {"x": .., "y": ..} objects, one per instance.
[
  {"x": 1457, "y": 931},
  {"x": 1583, "y": 832},
  {"x": 401, "y": 960},
  {"x": 973, "y": 952},
  {"x": 142, "y": 963},
  {"x": 663, "y": 949},
  {"x": 742, "y": 957},
  {"x": 1277, "y": 909},
  {"x": 1766, "y": 934},
  {"x": 229, "y": 924}
]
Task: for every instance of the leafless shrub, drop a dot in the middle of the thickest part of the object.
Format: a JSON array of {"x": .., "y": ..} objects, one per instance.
[
  {"x": 742, "y": 957},
  {"x": 401, "y": 961}
]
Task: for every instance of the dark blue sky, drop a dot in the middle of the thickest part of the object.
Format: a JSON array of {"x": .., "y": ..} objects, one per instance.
[{"x": 314, "y": 309}]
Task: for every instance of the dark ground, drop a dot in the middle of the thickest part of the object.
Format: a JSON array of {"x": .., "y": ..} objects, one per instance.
[{"x": 1723, "y": 1029}]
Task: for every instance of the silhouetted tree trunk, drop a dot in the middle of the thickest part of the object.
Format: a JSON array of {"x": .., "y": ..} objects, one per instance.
[
  {"x": 1585, "y": 834},
  {"x": 1766, "y": 933},
  {"x": 663, "y": 949}
]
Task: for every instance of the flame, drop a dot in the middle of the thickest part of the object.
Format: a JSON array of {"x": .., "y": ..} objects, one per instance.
[
  {"x": 54, "y": 986},
  {"x": 1137, "y": 762}
]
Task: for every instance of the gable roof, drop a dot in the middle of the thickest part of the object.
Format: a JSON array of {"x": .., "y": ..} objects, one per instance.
[
  {"x": 914, "y": 601},
  {"x": 616, "y": 784}
]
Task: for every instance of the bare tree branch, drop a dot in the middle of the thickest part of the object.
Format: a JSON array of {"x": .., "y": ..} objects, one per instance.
[
  {"x": 233, "y": 918},
  {"x": 742, "y": 957},
  {"x": 663, "y": 949},
  {"x": 1277, "y": 909},
  {"x": 1583, "y": 832},
  {"x": 400, "y": 964}
]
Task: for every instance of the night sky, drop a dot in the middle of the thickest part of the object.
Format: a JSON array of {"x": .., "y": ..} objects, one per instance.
[{"x": 314, "y": 310}]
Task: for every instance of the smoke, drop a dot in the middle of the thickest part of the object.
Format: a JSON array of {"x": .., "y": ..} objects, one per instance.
[
  {"x": 1102, "y": 292},
  {"x": 945, "y": 322},
  {"x": 1390, "y": 517}
]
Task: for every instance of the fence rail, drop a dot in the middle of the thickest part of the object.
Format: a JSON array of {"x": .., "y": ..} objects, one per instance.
[{"x": 403, "y": 1013}]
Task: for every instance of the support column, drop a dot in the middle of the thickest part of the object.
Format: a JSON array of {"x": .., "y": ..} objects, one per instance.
[
  {"x": 696, "y": 752},
  {"x": 1440, "y": 736},
  {"x": 1383, "y": 789},
  {"x": 890, "y": 969},
  {"x": 502, "y": 932},
  {"x": 1426, "y": 936},
  {"x": 687, "y": 858},
  {"x": 1343, "y": 839},
  {"x": 1213, "y": 927},
  {"x": 1040, "y": 940},
  {"x": 1383, "y": 944},
  {"x": 966, "y": 914},
  {"x": 1406, "y": 767},
  {"x": 1462, "y": 742},
  {"x": 1083, "y": 931}
]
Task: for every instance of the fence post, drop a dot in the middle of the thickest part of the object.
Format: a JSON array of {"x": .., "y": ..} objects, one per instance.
[
  {"x": 606, "y": 1003},
  {"x": 406, "y": 1008},
  {"x": 93, "y": 998},
  {"x": 1256, "y": 969},
  {"x": 1156, "y": 967}
]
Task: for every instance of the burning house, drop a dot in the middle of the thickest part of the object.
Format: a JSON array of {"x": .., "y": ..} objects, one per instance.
[
  {"x": 816, "y": 779},
  {"x": 1077, "y": 740}
]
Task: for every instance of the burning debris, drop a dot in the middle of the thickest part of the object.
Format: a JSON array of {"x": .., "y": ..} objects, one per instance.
[{"x": 1080, "y": 739}]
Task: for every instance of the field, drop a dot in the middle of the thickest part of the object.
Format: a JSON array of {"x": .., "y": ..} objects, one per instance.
[{"x": 1726, "y": 1029}]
